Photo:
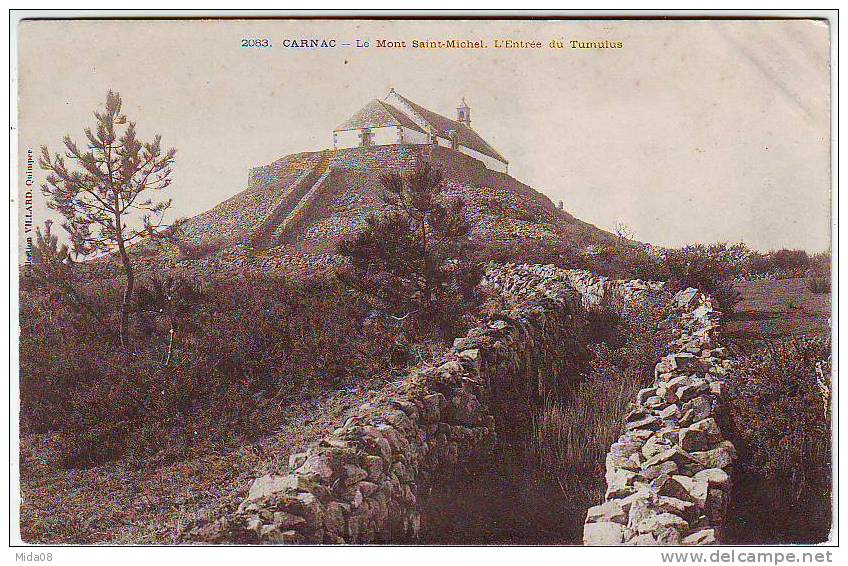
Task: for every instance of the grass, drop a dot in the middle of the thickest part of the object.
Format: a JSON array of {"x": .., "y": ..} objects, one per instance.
[
  {"x": 541, "y": 483},
  {"x": 571, "y": 437},
  {"x": 764, "y": 310},
  {"x": 573, "y": 431},
  {"x": 538, "y": 492},
  {"x": 241, "y": 352},
  {"x": 118, "y": 448}
]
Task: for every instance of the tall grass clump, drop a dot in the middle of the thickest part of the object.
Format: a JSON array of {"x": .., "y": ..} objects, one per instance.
[
  {"x": 819, "y": 273},
  {"x": 571, "y": 438},
  {"x": 819, "y": 285},
  {"x": 574, "y": 430}
]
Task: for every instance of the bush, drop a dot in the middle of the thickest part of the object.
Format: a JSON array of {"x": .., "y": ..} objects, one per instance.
[
  {"x": 627, "y": 260},
  {"x": 779, "y": 406},
  {"x": 819, "y": 285},
  {"x": 710, "y": 269},
  {"x": 820, "y": 264},
  {"x": 759, "y": 264},
  {"x": 819, "y": 272},
  {"x": 238, "y": 356},
  {"x": 191, "y": 251},
  {"x": 790, "y": 261},
  {"x": 786, "y": 263},
  {"x": 544, "y": 252}
]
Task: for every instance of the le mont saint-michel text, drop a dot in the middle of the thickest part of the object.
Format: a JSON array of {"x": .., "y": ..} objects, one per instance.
[
  {"x": 455, "y": 43},
  {"x": 497, "y": 44}
]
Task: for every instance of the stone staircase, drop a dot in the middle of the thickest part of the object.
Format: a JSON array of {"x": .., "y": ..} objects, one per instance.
[
  {"x": 295, "y": 218},
  {"x": 293, "y": 201}
]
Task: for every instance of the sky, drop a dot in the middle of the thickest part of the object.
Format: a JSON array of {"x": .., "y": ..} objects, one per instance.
[{"x": 692, "y": 131}]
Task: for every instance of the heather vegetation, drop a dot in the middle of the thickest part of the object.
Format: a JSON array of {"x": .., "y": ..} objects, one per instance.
[
  {"x": 781, "y": 413},
  {"x": 211, "y": 366},
  {"x": 779, "y": 409}
]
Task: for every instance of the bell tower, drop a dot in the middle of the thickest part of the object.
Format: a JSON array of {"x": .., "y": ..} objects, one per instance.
[{"x": 463, "y": 113}]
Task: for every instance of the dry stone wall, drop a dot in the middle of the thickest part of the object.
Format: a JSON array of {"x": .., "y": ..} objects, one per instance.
[
  {"x": 669, "y": 474},
  {"x": 363, "y": 483}
]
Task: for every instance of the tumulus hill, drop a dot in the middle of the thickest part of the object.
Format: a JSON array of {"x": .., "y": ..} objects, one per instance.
[{"x": 296, "y": 209}]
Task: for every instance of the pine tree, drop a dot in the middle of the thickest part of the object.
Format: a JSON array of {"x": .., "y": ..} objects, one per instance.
[
  {"x": 52, "y": 265},
  {"x": 415, "y": 257},
  {"x": 106, "y": 192}
]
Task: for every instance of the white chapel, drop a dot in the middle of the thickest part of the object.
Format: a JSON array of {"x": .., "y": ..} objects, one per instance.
[{"x": 398, "y": 120}]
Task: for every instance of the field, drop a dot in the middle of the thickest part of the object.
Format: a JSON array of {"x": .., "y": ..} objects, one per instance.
[
  {"x": 779, "y": 308},
  {"x": 782, "y": 492},
  {"x": 120, "y": 502}
]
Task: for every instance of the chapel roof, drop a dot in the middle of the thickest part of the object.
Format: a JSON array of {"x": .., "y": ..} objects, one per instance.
[
  {"x": 443, "y": 125},
  {"x": 377, "y": 114}
]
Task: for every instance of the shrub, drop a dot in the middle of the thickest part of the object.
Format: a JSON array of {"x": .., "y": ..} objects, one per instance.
[
  {"x": 52, "y": 266},
  {"x": 243, "y": 351},
  {"x": 819, "y": 285},
  {"x": 786, "y": 263},
  {"x": 820, "y": 263},
  {"x": 819, "y": 273},
  {"x": 628, "y": 260},
  {"x": 545, "y": 252},
  {"x": 758, "y": 263},
  {"x": 643, "y": 265},
  {"x": 191, "y": 251},
  {"x": 779, "y": 405},
  {"x": 710, "y": 269},
  {"x": 790, "y": 261},
  {"x": 59, "y": 352}
]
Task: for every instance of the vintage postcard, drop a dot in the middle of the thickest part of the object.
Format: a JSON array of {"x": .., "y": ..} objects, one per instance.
[{"x": 385, "y": 279}]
